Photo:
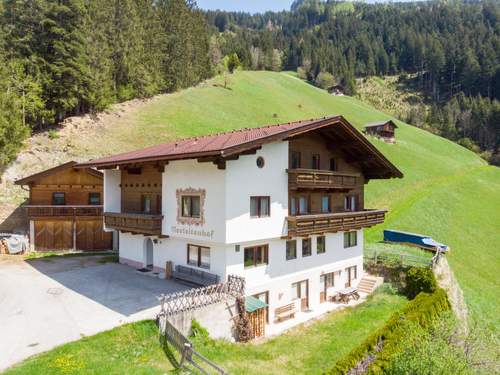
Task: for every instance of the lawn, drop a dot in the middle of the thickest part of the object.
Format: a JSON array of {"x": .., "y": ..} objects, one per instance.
[
  {"x": 130, "y": 349},
  {"x": 135, "y": 349},
  {"x": 307, "y": 349}
]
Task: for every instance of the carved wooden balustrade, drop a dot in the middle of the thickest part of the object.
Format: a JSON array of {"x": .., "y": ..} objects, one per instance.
[
  {"x": 58, "y": 211},
  {"x": 305, "y": 225},
  {"x": 321, "y": 179},
  {"x": 134, "y": 223}
]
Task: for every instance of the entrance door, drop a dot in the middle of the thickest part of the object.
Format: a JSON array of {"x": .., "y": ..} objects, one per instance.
[
  {"x": 149, "y": 254},
  {"x": 300, "y": 291},
  {"x": 322, "y": 293},
  {"x": 351, "y": 275}
]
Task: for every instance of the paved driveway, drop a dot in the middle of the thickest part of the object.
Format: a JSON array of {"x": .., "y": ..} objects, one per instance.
[{"x": 45, "y": 303}]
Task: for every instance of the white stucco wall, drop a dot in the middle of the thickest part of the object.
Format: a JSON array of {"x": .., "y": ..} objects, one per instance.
[
  {"x": 112, "y": 190},
  {"x": 191, "y": 174},
  {"x": 244, "y": 180},
  {"x": 277, "y": 276}
]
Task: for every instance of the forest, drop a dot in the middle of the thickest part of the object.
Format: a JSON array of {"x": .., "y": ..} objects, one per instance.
[
  {"x": 69, "y": 57},
  {"x": 451, "y": 49}
]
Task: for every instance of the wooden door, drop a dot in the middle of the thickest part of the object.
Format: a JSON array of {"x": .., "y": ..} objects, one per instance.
[
  {"x": 53, "y": 235},
  {"x": 322, "y": 293},
  {"x": 304, "y": 295},
  {"x": 91, "y": 236}
]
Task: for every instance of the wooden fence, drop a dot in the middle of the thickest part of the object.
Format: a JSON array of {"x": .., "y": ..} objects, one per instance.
[
  {"x": 401, "y": 258},
  {"x": 182, "y": 344},
  {"x": 199, "y": 297}
]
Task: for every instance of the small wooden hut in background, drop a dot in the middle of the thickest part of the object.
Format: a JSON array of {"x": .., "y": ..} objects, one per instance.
[{"x": 385, "y": 130}]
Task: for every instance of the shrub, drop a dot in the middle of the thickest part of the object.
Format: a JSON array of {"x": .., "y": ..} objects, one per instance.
[
  {"x": 419, "y": 280},
  {"x": 53, "y": 134},
  {"x": 197, "y": 330},
  {"x": 421, "y": 311}
]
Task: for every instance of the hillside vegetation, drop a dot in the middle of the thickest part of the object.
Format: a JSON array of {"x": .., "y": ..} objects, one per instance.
[{"x": 447, "y": 192}]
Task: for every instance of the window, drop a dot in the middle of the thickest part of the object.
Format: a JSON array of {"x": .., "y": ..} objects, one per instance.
[
  {"x": 306, "y": 247},
  {"x": 325, "y": 204},
  {"x": 191, "y": 206},
  {"x": 94, "y": 198},
  {"x": 328, "y": 279},
  {"x": 260, "y": 162},
  {"x": 302, "y": 205},
  {"x": 352, "y": 274},
  {"x": 296, "y": 159},
  {"x": 256, "y": 256},
  {"x": 293, "y": 206},
  {"x": 259, "y": 206},
  {"x": 333, "y": 165},
  {"x": 264, "y": 297},
  {"x": 315, "y": 162},
  {"x": 350, "y": 203},
  {"x": 350, "y": 239},
  {"x": 198, "y": 256},
  {"x": 146, "y": 204},
  {"x": 291, "y": 249},
  {"x": 58, "y": 199},
  {"x": 320, "y": 244}
]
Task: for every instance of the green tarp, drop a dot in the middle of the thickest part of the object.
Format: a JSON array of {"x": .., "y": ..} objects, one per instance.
[{"x": 252, "y": 304}]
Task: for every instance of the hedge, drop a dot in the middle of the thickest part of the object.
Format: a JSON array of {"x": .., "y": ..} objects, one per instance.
[{"x": 422, "y": 310}]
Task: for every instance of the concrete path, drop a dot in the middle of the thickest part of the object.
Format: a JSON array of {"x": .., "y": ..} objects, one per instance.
[{"x": 48, "y": 302}]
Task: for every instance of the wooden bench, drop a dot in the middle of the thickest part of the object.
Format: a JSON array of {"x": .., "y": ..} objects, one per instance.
[
  {"x": 285, "y": 312},
  {"x": 195, "y": 276}
]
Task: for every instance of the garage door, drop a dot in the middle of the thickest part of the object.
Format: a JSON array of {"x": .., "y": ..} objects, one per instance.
[
  {"x": 53, "y": 235},
  {"x": 91, "y": 236}
]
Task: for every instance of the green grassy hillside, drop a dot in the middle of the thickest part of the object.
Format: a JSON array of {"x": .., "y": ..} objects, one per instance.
[{"x": 448, "y": 191}]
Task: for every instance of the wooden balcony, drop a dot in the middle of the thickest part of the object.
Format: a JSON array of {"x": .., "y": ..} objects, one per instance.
[
  {"x": 306, "y": 225},
  {"x": 38, "y": 211},
  {"x": 320, "y": 179},
  {"x": 134, "y": 223}
]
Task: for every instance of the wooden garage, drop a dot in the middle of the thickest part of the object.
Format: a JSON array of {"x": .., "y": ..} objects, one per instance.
[{"x": 64, "y": 209}]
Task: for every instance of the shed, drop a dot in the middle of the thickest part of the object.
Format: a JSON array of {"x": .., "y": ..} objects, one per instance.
[
  {"x": 65, "y": 209},
  {"x": 386, "y": 130}
]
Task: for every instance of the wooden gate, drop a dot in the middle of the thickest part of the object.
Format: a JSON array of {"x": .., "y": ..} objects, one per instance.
[
  {"x": 53, "y": 235},
  {"x": 91, "y": 236}
]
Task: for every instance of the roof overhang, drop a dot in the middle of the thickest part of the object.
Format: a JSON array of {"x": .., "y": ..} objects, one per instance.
[
  {"x": 387, "y": 169},
  {"x": 71, "y": 164}
]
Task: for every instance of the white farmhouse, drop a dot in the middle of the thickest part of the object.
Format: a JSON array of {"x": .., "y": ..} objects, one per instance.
[{"x": 281, "y": 206}]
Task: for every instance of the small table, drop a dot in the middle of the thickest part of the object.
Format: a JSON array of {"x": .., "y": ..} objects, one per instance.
[{"x": 346, "y": 294}]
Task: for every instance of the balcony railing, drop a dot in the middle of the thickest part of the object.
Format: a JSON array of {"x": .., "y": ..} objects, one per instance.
[
  {"x": 305, "y": 225},
  {"x": 55, "y": 211},
  {"x": 134, "y": 223},
  {"x": 320, "y": 179}
]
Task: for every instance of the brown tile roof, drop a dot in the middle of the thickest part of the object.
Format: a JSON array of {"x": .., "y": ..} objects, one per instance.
[
  {"x": 231, "y": 143},
  {"x": 213, "y": 143}
]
